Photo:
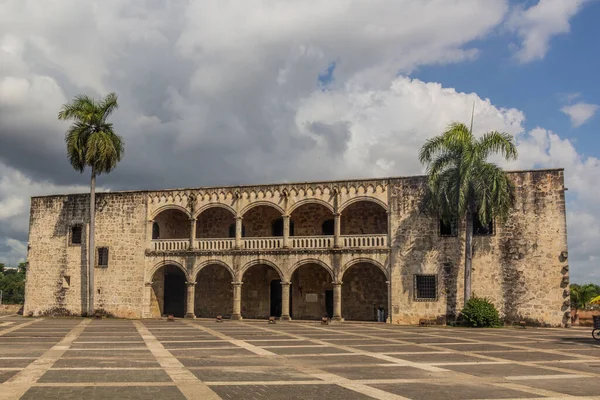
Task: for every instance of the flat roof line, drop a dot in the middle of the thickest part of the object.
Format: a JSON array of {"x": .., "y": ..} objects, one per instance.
[{"x": 281, "y": 184}]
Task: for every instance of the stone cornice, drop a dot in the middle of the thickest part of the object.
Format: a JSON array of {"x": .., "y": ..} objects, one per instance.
[{"x": 243, "y": 252}]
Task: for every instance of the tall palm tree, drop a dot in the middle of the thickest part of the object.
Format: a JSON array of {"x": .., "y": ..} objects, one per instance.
[
  {"x": 91, "y": 142},
  {"x": 462, "y": 183}
]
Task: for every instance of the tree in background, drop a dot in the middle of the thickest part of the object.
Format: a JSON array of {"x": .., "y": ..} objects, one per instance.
[
  {"x": 580, "y": 298},
  {"x": 91, "y": 142},
  {"x": 12, "y": 284},
  {"x": 463, "y": 183}
]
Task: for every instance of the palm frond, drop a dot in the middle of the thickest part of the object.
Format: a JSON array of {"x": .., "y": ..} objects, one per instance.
[{"x": 497, "y": 142}]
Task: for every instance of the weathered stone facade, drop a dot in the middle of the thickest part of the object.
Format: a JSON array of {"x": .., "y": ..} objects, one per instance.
[{"x": 341, "y": 249}]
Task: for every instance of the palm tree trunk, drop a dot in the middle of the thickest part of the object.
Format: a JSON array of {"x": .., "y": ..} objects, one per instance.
[
  {"x": 468, "y": 255},
  {"x": 92, "y": 248}
]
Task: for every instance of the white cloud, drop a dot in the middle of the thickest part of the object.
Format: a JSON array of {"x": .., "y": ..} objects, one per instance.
[
  {"x": 580, "y": 113},
  {"x": 537, "y": 24},
  {"x": 215, "y": 92}
]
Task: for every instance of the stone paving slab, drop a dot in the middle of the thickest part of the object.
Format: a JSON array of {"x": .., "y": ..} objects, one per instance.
[
  {"x": 104, "y": 393},
  {"x": 114, "y": 359},
  {"x": 241, "y": 375},
  {"x": 448, "y": 391},
  {"x": 284, "y": 392},
  {"x": 59, "y": 376}
]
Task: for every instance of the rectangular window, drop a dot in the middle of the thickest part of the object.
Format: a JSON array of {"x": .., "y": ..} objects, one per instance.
[
  {"x": 76, "y": 234},
  {"x": 426, "y": 287},
  {"x": 103, "y": 256},
  {"x": 449, "y": 229},
  {"x": 480, "y": 229}
]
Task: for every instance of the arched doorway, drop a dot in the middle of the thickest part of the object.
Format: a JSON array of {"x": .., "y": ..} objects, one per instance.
[
  {"x": 311, "y": 292},
  {"x": 261, "y": 292},
  {"x": 364, "y": 291},
  {"x": 364, "y": 218},
  {"x": 171, "y": 224},
  {"x": 214, "y": 292},
  {"x": 169, "y": 291}
]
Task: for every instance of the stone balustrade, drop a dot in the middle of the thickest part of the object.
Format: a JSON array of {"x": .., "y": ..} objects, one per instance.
[
  {"x": 365, "y": 241},
  {"x": 170, "y": 244},
  {"x": 215, "y": 244},
  {"x": 273, "y": 243},
  {"x": 311, "y": 242}
]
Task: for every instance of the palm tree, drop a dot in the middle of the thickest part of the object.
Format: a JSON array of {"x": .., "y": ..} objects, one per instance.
[
  {"x": 91, "y": 142},
  {"x": 580, "y": 298},
  {"x": 462, "y": 183}
]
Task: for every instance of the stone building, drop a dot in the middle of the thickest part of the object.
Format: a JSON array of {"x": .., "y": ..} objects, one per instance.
[{"x": 343, "y": 249}]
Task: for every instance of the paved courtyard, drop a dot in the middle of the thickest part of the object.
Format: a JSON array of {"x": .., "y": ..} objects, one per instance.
[{"x": 201, "y": 359}]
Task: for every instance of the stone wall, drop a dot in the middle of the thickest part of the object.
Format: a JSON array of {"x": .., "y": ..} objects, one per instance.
[
  {"x": 364, "y": 218},
  {"x": 364, "y": 289},
  {"x": 57, "y": 273},
  {"x": 214, "y": 223},
  {"x": 258, "y": 221},
  {"x": 519, "y": 268},
  {"x": 308, "y": 219},
  {"x": 309, "y": 284},
  {"x": 214, "y": 293},
  {"x": 173, "y": 224},
  {"x": 256, "y": 291}
]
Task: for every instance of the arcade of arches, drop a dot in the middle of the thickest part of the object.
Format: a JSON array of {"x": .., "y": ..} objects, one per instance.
[
  {"x": 311, "y": 294},
  {"x": 309, "y": 219}
]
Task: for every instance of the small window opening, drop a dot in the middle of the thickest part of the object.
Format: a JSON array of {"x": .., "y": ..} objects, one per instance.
[
  {"x": 76, "y": 232},
  {"x": 103, "y": 256},
  {"x": 66, "y": 281},
  {"x": 448, "y": 229},
  {"x": 425, "y": 287},
  {"x": 480, "y": 229},
  {"x": 328, "y": 227},
  {"x": 155, "y": 231}
]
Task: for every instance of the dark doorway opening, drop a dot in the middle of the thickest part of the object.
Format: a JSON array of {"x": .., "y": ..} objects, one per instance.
[
  {"x": 329, "y": 303},
  {"x": 276, "y": 298},
  {"x": 174, "y": 295}
]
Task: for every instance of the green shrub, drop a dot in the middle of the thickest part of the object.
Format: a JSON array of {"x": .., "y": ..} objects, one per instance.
[{"x": 479, "y": 312}]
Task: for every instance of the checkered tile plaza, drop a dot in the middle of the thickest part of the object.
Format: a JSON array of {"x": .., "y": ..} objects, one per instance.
[{"x": 45, "y": 358}]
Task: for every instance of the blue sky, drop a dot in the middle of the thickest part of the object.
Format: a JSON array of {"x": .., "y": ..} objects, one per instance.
[
  {"x": 538, "y": 88},
  {"x": 209, "y": 90}
]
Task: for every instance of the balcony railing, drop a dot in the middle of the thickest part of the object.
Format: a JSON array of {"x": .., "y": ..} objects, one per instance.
[
  {"x": 273, "y": 243},
  {"x": 170, "y": 244},
  {"x": 365, "y": 241},
  {"x": 265, "y": 243},
  {"x": 311, "y": 242},
  {"x": 215, "y": 244}
]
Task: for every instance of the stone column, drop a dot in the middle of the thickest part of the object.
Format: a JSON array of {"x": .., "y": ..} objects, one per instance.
[
  {"x": 389, "y": 302},
  {"x": 286, "y": 232},
  {"x": 285, "y": 301},
  {"x": 237, "y": 301},
  {"x": 337, "y": 302},
  {"x": 191, "y": 294},
  {"x": 337, "y": 222},
  {"x": 149, "y": 235},
  {"x": 192, "y": 233},
  {"x": 238, "y": 232},
  {"x": 147, "y": 311}
]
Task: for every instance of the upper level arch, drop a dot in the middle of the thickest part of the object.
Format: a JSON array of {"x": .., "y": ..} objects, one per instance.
[
  {"x": 215, "y": 221},
  {"x": 353, "y": 200},
  {"x": 254, "y": 204},
  {"x": 311, "y": 201},
  {"x": 208, "y": 206},
  {"x": 170, "y": 207},
  {"x": 364, "y": 217},
  {"x": 263, "y": 220},
  {"x": 171, "y": 222}
]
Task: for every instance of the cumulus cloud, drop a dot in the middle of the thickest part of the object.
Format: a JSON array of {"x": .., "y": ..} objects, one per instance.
[
  {"x": 216, "y": 93},
  {"x": 580, "y": 113},
  {"x": 539, "y": 23}
]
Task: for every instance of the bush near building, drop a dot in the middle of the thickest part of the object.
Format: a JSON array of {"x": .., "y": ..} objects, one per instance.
[{"x": 480, "y": 313}]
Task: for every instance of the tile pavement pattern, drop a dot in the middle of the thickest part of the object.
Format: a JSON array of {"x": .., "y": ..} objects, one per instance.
[{"x": 203, "y": 359}]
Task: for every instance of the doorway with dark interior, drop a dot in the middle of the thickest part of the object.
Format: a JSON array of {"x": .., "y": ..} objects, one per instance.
[
  {"x": 276, "y": 298},
  {"x": 174, "y": 296}
]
